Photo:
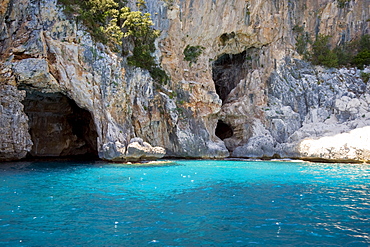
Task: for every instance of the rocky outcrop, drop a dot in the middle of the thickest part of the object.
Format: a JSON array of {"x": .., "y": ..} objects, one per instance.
[
  {"x": 43, "y": 51},
  {"x": 15, "y": 140},
  {"x": 247, "y": 94},
  {"x": 136, "y": 150},
  {"x": 312, "y": 113}
]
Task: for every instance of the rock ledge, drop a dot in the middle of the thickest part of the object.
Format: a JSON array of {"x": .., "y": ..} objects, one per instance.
[{"x": 136, "y": 150}]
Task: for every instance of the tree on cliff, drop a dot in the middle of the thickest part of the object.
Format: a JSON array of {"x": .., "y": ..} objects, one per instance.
[
  {"x": 322, "y": 54},
  {"x": 354, "y": 53},
  {"x": 113, "y": 23},
  {"x": 109, "y": 21}
]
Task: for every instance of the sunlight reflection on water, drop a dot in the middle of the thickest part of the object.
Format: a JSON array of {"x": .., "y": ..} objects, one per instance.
[{"x": 188, "y": 203}]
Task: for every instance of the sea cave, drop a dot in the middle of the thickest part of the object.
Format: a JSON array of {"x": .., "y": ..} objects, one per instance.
[
  {"x": 58, "y": 127},
  {"x": 227, "y": 71}
]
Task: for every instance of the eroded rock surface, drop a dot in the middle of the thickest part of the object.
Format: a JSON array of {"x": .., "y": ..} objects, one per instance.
[
  {"x": 136, "y": 150},
  {"x": 248, "y": 77},
  {"x": 58, "y": 127},
  {"x": 15, "y": 140},
  {"x": 311, "y": 113}
]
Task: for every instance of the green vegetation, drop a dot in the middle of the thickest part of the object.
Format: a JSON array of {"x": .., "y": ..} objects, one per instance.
[
  {"x": 342, "y": 3},
  {"x": 139, "y": 31},
  {"x": 141, "y": 4},
  {"x": 298, "y": 29},
  {"x": 362, "y": 46},
  {"x": 113, "y": 23},
  {"x": 101, "y": 17},
  {"x": 192, "y": 53},
  {"x": 365, "y": 77},
  {"x": 354, "y": 53},
  {"x": 322, "y": 54},
  {"x": 362, "y": 58},
  {"x": 303, "y": 40},
  {"x": 169, "y": 2}
]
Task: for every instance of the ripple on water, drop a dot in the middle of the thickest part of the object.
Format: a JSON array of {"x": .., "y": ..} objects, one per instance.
[{"x": 219, "y": 203}]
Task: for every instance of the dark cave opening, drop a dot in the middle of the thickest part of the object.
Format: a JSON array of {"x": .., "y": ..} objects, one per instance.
[
  {"x": 223, "y": 130},
  {"x": 227, "y": 71},
  {"x": 58, "y": 127}
]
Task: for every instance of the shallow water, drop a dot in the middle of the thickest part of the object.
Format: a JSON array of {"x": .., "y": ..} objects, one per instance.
[{"x": 186, "y": 203}]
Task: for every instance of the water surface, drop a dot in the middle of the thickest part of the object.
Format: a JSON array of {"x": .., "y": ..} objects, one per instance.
[{"x": 186, "y": 203}]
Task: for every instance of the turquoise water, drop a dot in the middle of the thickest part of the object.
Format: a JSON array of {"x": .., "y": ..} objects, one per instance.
[{"x": 187, "y": 203}]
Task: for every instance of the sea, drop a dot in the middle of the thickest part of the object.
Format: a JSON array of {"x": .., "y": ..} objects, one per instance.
[{"x": 184, "y": 203}]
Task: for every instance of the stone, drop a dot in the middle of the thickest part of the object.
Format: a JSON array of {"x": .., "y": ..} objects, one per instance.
[
  {"x": 15, "y": 141},
  {"x": 136, "y": 150},
  {"x": 139, "y": 150},
  {"x": 114, "y": 151},
  {"x": 351, "y": 146}
]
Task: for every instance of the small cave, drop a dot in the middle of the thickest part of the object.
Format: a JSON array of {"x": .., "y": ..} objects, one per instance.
[
  {"x": 58, "y": 127},
  {"x": 223, "y": 130},
  {"x": 227, "y": 71}
]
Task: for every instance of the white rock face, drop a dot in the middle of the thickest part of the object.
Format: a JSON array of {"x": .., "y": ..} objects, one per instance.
[
  {"x": 348, "y": 146},
  {"x": 317, "y": 114}
]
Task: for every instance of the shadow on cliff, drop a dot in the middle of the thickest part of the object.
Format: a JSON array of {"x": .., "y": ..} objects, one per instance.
[{"x": 59, "y": 128}]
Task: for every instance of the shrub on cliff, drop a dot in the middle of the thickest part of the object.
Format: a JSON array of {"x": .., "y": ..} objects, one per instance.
[
  {"x": 321, "y": 52},
  {"x": 191, "y": 53},
  {"x": 362, "y": 57},
  {"x": 113, "y": 23},
  {"x": 302, "y": 41},
  {"x": 342, "y": 3},
  {"x": 354, "y": 53},
  {"x": 101, "y": 17}
]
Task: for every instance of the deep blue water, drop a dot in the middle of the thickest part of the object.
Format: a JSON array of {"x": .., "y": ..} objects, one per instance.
[{"x": 187, "y": 203}]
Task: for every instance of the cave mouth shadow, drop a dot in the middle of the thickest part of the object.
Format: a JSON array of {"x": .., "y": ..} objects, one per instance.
[
  {"x": 59, "y": 128},
  {"x": 223, "y": 130},
  {"x": 227, "y": 71}
]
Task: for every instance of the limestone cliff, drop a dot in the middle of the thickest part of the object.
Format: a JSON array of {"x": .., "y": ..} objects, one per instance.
[{"x": 248, "y": 94}]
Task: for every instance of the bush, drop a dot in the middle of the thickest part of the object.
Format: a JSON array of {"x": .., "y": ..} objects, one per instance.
[
  {"x": 302, "y": 45},
  {"x": 362, "y": 47},
  {"x": 322, "y": 54},
  {"x": 362, "y": 58},
  {"x": 361, "y": 51},
  {"x": 344, "y": 54},
  {"x": 192, "y": 53},
  {"x": 365, "y": 77},
  {"x": 110, "y": 22},
  {"x": 302, "y": 41},
  {"x": 101, "y": 17},
  {"x": 354, "y": 53},
  {"x": 342, "y": 3}
]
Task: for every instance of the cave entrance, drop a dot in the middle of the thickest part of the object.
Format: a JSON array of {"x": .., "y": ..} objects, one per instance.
[
  {"x": 223, "y": 130},
  {"x": 227, "y": 71},
  {"x": 58, "y": 127}
]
